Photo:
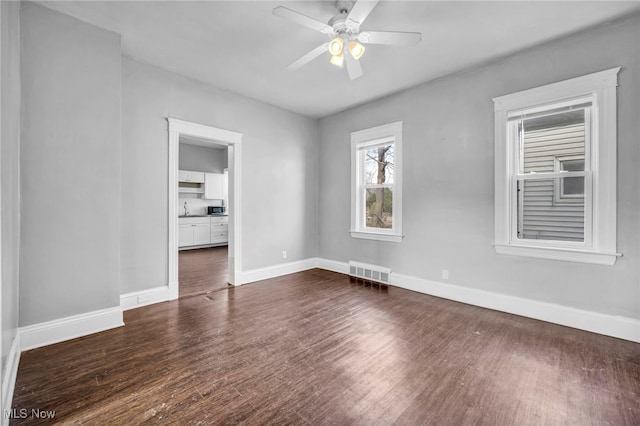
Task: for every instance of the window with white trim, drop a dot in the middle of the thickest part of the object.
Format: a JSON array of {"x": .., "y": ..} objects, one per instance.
[
  {"x": 555, "y": 176},
  {"x": 376, "y": 183}
]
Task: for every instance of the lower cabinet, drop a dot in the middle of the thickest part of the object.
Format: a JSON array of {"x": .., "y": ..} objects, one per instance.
[
  {"x": 200, "y": 231},
  {"x": 219, "y": 229},
  {"x": 194, "y": 231},
  {"x": 201, "y": 234},
  {"x": 185, "y": 235}
]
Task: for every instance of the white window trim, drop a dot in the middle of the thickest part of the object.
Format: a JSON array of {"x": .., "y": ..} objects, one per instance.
[
  {"x": 373, "y": 136},
  {"x": 602, "y": 249}
]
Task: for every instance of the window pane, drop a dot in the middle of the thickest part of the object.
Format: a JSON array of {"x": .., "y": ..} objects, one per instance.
[
  {"x": 378, "y": 164},
  {"x": 572, "y": 186},
  {"x": 379, "y": 207},
  {"x": 541, "y": 217},
  {"x": 548, "y": 139}
]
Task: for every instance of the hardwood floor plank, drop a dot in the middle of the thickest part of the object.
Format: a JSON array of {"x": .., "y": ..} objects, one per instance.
[
  {"x": 202, "y": 270},
  {"x": 318, "y": 348}
]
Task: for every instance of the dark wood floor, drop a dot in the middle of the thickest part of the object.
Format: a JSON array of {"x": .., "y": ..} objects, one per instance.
[
  {"x": 316, "y": 348},
  {"x": 202, "y": 270}
]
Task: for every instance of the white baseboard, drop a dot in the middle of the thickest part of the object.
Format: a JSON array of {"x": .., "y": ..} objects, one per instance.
[
  {"x": 137, "y": 299},
  {"x": 9, "y": 375},
  {"x": 333, "y": 265},
  {"x": 609, "y": 325},
  {"x": 277, "y": 270},
  {"x": 48, "y": 333}
]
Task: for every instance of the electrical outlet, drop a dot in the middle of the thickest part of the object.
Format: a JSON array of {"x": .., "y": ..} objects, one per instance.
[
  {"x": 445, "y": 274},
  {"x": 284, "y": 254}
]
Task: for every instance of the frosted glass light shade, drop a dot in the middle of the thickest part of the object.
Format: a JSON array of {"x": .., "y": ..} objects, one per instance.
[
  {"x": 356, "y": 49},
  {"x": 335, "y": 46},
  {"x": 338, "y": 60}
]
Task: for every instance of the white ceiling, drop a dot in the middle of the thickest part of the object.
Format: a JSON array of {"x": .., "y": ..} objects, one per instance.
[{"x": 241, "y": 47}]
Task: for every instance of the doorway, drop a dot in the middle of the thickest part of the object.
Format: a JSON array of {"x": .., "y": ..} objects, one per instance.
[
  {"x": 215, "y": 137},
  {"x": 203, "y": 206}
]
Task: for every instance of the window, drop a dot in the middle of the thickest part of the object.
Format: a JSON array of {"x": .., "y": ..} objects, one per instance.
[
  {"x": 555, "y": 177},
  {"x": 376, "y": 183}
]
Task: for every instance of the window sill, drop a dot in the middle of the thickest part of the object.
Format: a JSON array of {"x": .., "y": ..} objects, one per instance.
[
  {"x": 394, "y": 238},
  {"x": 566, "y": 255}
]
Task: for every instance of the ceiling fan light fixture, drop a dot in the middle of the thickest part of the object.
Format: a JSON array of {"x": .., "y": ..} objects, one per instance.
[
  {"x": 335, "y": 46},
  {"x": 356, "y": 49},
  {"x": 338, "y": 60}
]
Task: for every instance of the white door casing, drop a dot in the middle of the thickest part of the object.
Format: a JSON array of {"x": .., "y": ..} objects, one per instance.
[{"x": 218, "y": 136}]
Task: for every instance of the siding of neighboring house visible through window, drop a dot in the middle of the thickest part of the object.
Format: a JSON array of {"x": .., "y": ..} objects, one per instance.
[{"x": 544, "y": 215}]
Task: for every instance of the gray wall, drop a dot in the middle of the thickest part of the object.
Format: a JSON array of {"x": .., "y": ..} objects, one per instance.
[
  {"x": 10, "y": 168},
  {"x": 449, "y": 177},
  {"x": 279, "y": 171},
  {"x": 70, "y": 167},
  {"x": 202, "y": 159}
]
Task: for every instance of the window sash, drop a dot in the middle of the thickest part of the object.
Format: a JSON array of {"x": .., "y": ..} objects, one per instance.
[
  {"x": 514, "y": 133},
  {"x": 361, "y": 223},
  {"x": 517, "y": 211}
]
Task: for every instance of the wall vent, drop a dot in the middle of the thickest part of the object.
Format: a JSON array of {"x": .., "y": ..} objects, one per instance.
[{"x": 369, "y": 272}]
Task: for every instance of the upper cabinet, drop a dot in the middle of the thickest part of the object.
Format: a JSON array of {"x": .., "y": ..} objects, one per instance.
[
  {"x": 192, "y": 177},
  {"x": 214, "y": 186}
]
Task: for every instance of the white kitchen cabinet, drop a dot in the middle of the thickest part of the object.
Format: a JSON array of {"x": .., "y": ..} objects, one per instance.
[
  {"x": 219, "y": 237},
  {"x": 201, "y": 234},
  {"x": 214, "y": 186},
  {"x": 203, "y": 231},
  {"x": 185, "y": 235},
  {"x": 219, "y": 229},
  {"x": 189, "y": 176},
  {"x": 194, "y": 231}
]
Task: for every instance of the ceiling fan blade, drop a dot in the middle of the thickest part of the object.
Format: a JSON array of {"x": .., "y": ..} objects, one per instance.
[
  {"x": 393, "y": 38},
  {"x": 308, "y": 57},
  {"x": 354, "y": 69},
  {"x": 359, "y": 12},
  {"x": 303, "y": 20}
]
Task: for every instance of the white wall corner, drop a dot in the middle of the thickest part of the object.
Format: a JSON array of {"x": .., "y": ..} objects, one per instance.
[
  {"x": 609, "y": 325},
  {"x": 9, "y": 375},
  {"x": 277, "y": 270},
  {"x": 137, "y": 299},
  {"x": 60, "y": 330}
]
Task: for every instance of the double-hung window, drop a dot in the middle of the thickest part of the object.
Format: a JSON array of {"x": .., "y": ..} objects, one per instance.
[
  {"x": 376, "y": 183},
  {"x": 555, "y": 174}
]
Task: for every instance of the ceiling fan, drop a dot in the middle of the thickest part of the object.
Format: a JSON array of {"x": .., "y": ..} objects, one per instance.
[{"x": 344, "y": 34}]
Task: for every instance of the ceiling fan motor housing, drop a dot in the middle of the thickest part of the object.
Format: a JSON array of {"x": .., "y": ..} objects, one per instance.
[{"x": 341, "y": 25}]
